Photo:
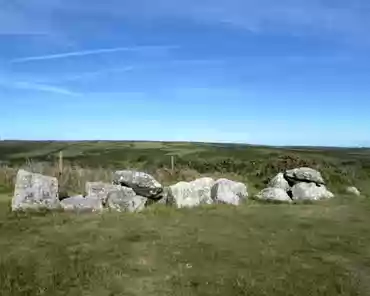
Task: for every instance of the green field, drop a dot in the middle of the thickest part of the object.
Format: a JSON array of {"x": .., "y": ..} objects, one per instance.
[
  {"x": 253, "y": 164},
  {"x": 320, "y": 248}
]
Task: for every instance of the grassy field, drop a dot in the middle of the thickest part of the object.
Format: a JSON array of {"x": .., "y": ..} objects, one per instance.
[
  {"x": 320, "y": 248},
  {"x": 256, "y": 249},
  {"x": 254, "y": 165}
]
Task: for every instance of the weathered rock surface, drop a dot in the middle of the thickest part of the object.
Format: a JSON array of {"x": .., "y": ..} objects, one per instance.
[
  {"x": 353, "y": 190},
  {"x": 229, "y": 192},
  {"x": 310, "y": 191},
  {"x": 304, "y": 175},
  {"x": 203, "y": 188},
  {"x": 142, "y": 183},
  {"x": 100, "y": 190},
  {"x": 82, "y": 204},
  {"x": 35, "y": 191},
  {"x": 125, "y": 200},
  {"x": 191, "y": 194},
  {"x": 274, "y": 194},
  {"x": 279, "y": 182}
]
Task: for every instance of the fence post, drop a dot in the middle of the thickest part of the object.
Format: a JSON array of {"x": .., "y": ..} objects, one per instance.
[
  {"x": 172, "y": 162},
  {"x": 60, "y": 163}
]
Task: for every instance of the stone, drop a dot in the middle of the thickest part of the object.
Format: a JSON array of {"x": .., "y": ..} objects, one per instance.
[
  {"x": 35, "y": 191},
  {"x": 142, "y": 183},
  {"x": 80, "y": 203},
  {"x": 304, "y": 174},
  {"x": 100, "y": 190},
  {"x": 310, "y": 191},
  {"x": 229, "y": 192},
  {"x": 274, "y": 194},
  {"x": 126, "y": 200},
  {"x": 190, "y": 194},
  {"x": 353, "y": 190},
  {"x": 203, "y": 187},
  {"x": 279, "y": 182}
]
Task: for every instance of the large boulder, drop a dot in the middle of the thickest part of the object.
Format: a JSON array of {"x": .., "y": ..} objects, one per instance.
[
  {"x": 203, "y": 187},
  {"x": 229, "y": 192},
  {"x": 190, "y": 194},
  {"x": 310, "y": 191},
  {"x": 100, "y": 190},
  {"x": 353, "y": 190},
  {"x": 142, "y": 183},
  {"x": 304, "y": 175},
  {"x": 35, "y": 191},
  {"x": 279, "y": 182},
  {"x": 82, "y": 204},
  {"x": 274, "y": 194},
  {"x": 125, "y": 200}
]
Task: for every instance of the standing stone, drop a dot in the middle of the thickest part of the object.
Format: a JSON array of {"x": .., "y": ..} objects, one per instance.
[
  {"x": 125, "y": 200},
  {"x": 142, "y": 183},
  {"x": 229, "y": 192},
  {"x": 100, "y": 190},
  {"x": 35, "y": 191},
  {"x": 279, "y": 182},
  {"x": 353, "y": 190},
  {"x": 304, "y": 175},
  {"x": 180, "y": 195},
  {"x": 203, "y": 187},
  {"x": 310, "y": 191},
  {"x": 82, "y": 204},
  {"x": 191, "y": 194},
  {"x": 274, "y": 194}
]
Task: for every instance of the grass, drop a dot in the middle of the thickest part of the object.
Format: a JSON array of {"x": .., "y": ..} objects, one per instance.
[
  {"x": 256, "y": 249},
  {"x": 319, "y": 248},
  {"x": 253, "y": 164}
]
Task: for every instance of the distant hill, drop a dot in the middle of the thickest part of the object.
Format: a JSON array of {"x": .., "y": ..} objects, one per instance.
[{"x": 254, "y": 163}]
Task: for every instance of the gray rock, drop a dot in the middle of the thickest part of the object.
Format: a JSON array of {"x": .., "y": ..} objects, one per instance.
[
  {"x": 126, "y": 200},
  {"x": 304, "y": 175},
  {"x": 35, "y": 191},
  {"x": 82, "y": 204},
  {"x": 279, "y": 182},
  {"x": 277, "y": 194},
  {"x": 229, "y": 192},
  {"x": 142, "y": 183},
  {"x": 353, "y": 190},
  {"x": 203, "y": 187},
  {"x": 310, "y": 191},
  {"x": 100, "y": 190},
  {"x": 191, "y": 194}
]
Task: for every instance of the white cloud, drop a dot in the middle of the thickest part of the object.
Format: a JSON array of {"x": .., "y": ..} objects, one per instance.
[
  {"x": 82, "y": 53},
  {"x": 94, "y": 74},
  {"x": 44, "y": 88}
]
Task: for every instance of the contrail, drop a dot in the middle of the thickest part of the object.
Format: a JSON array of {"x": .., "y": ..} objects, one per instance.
[
  {"x": 45, "y": 88},
  {"x": 87, "y": 52},
  {"x": 96, "y": 73}
]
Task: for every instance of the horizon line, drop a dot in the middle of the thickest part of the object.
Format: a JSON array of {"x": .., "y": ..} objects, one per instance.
[{"x": 194, "y": 142}]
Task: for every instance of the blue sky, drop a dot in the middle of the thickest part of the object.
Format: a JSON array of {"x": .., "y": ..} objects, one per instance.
[{"x": 288, "y": 72}]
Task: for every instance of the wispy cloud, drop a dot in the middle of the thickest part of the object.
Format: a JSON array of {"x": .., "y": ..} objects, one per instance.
[
  {"x": 93, "y": 74},
  {"x": 44, "y": 88},
  {"x": 88, "y": 52}
]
